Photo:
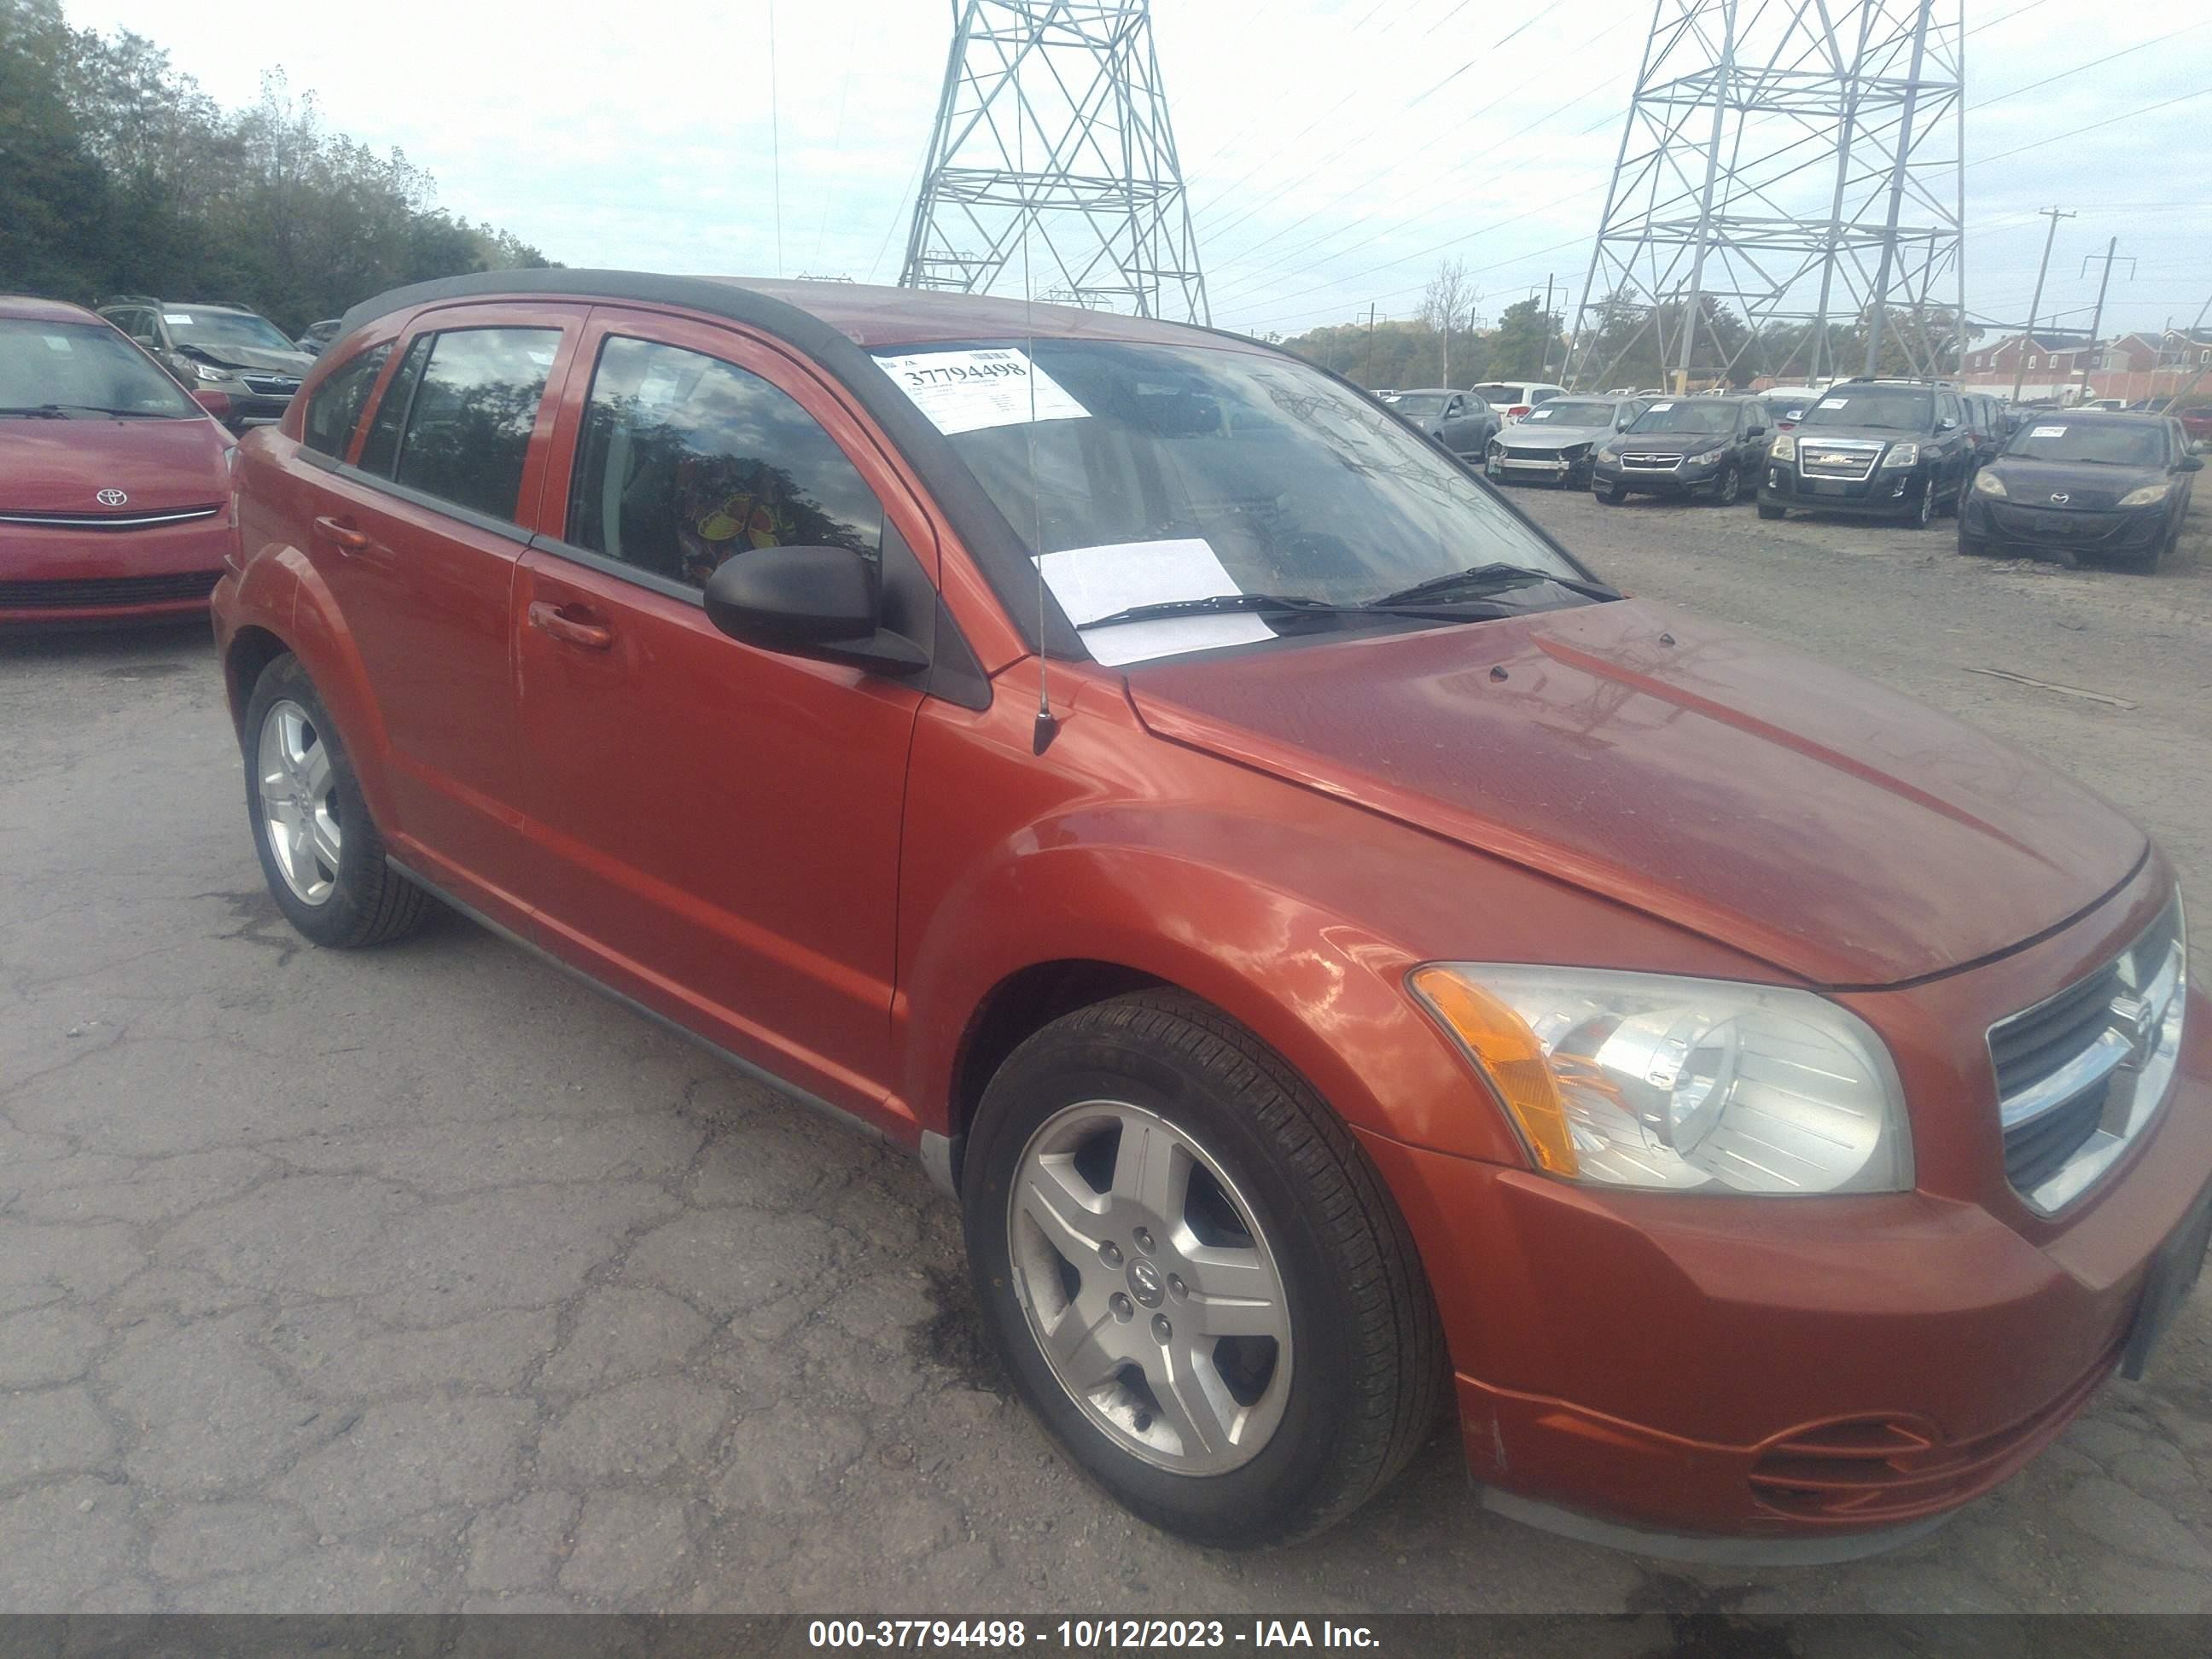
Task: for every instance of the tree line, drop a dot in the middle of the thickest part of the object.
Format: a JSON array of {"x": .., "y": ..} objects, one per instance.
[
  {"x": 1621, "y": 343},
  {"x": 119, "y": 174}
]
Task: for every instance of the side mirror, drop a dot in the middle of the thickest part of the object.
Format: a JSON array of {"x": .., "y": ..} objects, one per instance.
[
  {"x": 1754, "y": 432},
  {"x": 1947, "y": 425},
  {"x": 808, "y": 602},
  {"x": 2193, "y": 463}
]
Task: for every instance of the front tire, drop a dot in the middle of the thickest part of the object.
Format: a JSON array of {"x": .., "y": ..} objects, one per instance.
[
  {"x": 1925, "y": 513},
  {"x": 1195, "y": 1277},
  {"x": 320, "y": 852},
  {"x": 1611, "y": 495},
  {"x": 1730, "y": 489},
  {"x": 1769, "y": 512}
]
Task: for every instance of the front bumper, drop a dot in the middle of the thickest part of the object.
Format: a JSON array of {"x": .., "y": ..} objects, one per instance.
[
  {"x": 1683, "y": 481},
  {"x": 1894, "y": 492},
  {"x": 1553, "y": 469},
  {"x": 2113, "y": 530},
  {"x": 53, "y": 577},
  {"x": 1809, "y": 1370}
]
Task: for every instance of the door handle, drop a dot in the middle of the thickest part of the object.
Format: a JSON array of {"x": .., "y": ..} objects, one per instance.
[
  {"x": 545, "y": 617},
  {"x": 343, "y": 536}
]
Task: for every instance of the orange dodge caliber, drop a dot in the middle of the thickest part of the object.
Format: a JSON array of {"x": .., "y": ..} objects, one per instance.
[{"x": 1336, "y": 949}]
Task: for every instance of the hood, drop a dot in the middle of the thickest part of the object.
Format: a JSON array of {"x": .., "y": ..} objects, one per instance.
[
  {"x": 61, "y": 466},
  {"x": 261, "y": 359},
  {"x": 1670, "y": 443},
  {"x": 1782, "y": 807},
  {"x": 2086, "y": 487},
  {"x": 1544, "y": 435}
]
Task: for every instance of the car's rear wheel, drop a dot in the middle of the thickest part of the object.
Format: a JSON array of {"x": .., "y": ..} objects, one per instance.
[
  {"x": 1197, "y": 1280},
  {"x": 319, "y": 849}
]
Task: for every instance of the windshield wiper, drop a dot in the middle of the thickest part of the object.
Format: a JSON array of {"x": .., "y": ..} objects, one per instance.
[
  {"x": 60, "y": 412},
  {"x": 1292, "y": 604},
  {"x": 38, "y": 411},
  {"x": 1492, "y": 579}
]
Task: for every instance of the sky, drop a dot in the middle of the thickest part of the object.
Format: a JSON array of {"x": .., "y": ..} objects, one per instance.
[{"x": 787, "y": 137}]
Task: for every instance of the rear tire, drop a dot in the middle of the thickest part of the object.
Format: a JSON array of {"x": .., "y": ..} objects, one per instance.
[
  {"x": 319, "y": 849},
  {"x": 1241, "y": 1174}
]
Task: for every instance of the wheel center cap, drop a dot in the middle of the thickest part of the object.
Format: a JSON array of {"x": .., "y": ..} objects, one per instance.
[{"x": 1145, "y": 1284}]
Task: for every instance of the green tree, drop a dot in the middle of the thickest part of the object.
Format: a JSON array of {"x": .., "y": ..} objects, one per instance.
[{"x": 1527, "y": 341}]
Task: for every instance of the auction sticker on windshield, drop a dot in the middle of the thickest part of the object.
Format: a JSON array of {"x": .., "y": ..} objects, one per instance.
[
  {"x": 2047, "y": 432},
  {"x": 969, "y": 389}
]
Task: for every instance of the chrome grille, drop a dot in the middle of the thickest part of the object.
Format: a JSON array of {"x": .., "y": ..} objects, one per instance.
[
  {"x": 1648, "y": 463},
  {"x": 2081, "y": 1074},
  {"x": 1851, "y": 461},
  {"x": 271, "y": 385},
  {"x": 111, "y": 520}
]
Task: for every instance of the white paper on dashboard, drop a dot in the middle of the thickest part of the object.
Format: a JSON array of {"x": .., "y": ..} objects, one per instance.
[
  {"x": 2048, "y": 432},
  {"x": 967, "y": 389},
  {"x": 1097, "y": 581}
]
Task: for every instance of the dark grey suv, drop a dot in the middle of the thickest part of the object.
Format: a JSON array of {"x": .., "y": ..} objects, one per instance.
[{"x": 238, "y": 364}]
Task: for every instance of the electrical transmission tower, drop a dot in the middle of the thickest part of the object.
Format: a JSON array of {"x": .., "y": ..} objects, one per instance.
[
  {"x": 1053, "y": 154},
  {"x": 1788, "y": 196}
]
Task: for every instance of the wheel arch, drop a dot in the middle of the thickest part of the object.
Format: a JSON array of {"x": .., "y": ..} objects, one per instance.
[{"x": 253, "y": 649}]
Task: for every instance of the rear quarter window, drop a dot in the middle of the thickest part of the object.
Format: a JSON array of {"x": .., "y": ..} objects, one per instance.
[{"x": 338, "y": 403}]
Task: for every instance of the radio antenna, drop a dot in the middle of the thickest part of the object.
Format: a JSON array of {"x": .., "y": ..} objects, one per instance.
[{"x": 1048, "y": 726}]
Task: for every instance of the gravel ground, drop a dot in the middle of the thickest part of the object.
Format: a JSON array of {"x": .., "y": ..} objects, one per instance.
[{"x": 425, "y": 1279}]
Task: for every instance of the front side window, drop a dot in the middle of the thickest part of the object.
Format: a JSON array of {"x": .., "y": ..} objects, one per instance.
[
  {"x": 470, "y": 418},
  {"x": 686, "y": 461},
  {"x": 337, "y": 402},
  {"x": 1883, "y": 408},
  {"x": 82, "y": 369},
  {"x": 1237, "y": 472}
]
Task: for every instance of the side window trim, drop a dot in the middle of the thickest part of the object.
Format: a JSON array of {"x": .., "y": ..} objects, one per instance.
[
  {"x": 636, "y": 574},
  {"x": 422, "y": 498}
]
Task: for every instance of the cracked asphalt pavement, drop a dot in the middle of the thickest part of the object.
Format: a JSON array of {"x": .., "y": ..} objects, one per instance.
[{"x": 423, "y": 1278}]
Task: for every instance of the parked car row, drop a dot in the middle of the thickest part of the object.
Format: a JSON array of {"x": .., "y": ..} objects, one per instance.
[{"x": 2064, "y": 483}]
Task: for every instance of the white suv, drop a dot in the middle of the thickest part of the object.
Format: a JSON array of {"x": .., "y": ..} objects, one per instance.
[{"x": 1512, "y": 399}]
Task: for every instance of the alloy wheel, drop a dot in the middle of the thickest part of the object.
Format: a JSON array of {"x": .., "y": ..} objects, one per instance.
[
  {"x": 1150, "y": 1288},
  {"x": 298, "y": 802}
]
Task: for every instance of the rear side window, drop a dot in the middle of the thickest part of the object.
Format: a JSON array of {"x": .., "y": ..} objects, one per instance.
[
  {"x": 382, "y": 448},
  {"x": 469, "y": 420},
  {"x": 685, "y": 461},
  {"x": 337, "y": 402}
]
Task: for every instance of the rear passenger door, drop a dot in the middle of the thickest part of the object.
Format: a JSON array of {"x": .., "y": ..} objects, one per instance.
[
  {"x": 718, "y": 824},
  {"x": 417, "y": 532}
]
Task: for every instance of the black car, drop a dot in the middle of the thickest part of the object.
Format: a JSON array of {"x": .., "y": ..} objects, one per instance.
[
  {"x": 1890, "y": 449},
  {"x": 2109, "y": 486},
  {"x": 238, "y": 364},
  {"x": 1709, "y": 446}
]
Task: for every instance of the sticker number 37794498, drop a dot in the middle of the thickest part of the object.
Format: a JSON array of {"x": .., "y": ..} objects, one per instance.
[{"x": 968, "y": 388}]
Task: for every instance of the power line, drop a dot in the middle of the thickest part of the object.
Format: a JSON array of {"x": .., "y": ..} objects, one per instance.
[{"x": 2060, "y": 137}]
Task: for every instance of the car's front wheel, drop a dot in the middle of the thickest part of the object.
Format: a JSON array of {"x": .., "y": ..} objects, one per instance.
[
  {"x": 1196, "y": 1277},
  {"x": 1769, "y": 510},
  {"x": 1730, "y": 489},
  {"x": 319, "y": 850},
  {"x": 1611, "y": 495}
]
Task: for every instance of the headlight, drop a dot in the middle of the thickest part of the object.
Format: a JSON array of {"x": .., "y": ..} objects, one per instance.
[
  {"x": 1784, "y": 448},
  {"x": 1902, "y": 455},
  {"x": 1497, "y": 449},
  {"x": 2145, "y": 496},
  {"x": 1987, "y": 483},
  {"x": 1705, "y": 460},
  {"x": 1684, "y": 1084},
  {"x": 1574, "y": 452},
  {"x": 209, "y": 371},
  {"x": 1608, "y": 454}
]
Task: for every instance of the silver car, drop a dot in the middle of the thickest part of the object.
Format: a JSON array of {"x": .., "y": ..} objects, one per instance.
[{"x": 1553, "y": 443}]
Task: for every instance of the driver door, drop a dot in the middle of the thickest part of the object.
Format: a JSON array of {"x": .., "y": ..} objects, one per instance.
[{"x": 717, "y": 824}]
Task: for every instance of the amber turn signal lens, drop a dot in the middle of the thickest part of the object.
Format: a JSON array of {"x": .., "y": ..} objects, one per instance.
[{"x": 1510, "y": 1056}]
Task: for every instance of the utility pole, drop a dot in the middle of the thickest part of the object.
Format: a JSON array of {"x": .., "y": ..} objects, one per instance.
[
  {"x": 2190, "y": 384},
  {"x": 2097, "y": 317},
  {"x": 1544, "y": 369},
  {"x": 1367, "y": 372},
  {"x": 2019, "y": 347}
]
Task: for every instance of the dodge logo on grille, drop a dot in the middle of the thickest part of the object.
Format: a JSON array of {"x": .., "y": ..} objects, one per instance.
[{"x": 113, "y": 498}]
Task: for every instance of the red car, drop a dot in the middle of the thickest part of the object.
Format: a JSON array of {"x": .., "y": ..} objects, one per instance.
[
  {"x": 114, "y": 485},
  {"x": 1336, "y": 949}
]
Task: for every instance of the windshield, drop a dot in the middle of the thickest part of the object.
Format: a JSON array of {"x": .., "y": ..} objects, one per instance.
[
  {"x": 1686, "y": 416},
  {"x": 1570, "y": 412},
  {"x": 2096, "y": 443},
  {"x": 82, "y": 366},
  {"x": 1883, "y": 408},
  {"x": 1419, "y": 403},
  {"x": 212, "y": 331},
  {"x": 1180, "y": 472}
]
